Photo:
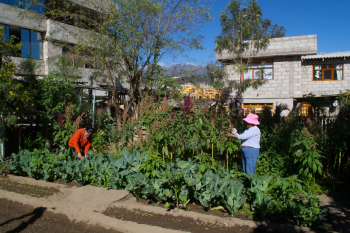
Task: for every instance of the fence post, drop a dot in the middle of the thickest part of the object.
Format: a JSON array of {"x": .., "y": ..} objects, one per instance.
[
  {"x": 2, "y": 143},
  {"x": 93, "y": 109}
]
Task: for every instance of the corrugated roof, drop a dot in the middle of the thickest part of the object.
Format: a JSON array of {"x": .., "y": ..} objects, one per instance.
[{"x": 327, "y": 55}]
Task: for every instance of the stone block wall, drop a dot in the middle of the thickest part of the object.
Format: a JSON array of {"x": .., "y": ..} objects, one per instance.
[
  {"x": 283, "y": 46},
  {"x": 320, "y": 88},
  {"x": 283, "y": 85},
  {"x": 292, "y": 77}
]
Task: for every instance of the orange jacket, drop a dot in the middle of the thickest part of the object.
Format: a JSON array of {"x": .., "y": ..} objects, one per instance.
[{"x": 79, "y": 141}]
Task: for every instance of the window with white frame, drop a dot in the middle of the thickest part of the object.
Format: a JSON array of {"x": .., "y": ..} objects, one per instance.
[{"x": 258, "y": 71}]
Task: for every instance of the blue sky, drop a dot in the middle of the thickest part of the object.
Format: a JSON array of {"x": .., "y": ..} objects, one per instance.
[{"x": 329, "y": 19}]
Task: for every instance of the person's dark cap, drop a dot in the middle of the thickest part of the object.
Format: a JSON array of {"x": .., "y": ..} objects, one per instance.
[{"x": 89, "y": 129}]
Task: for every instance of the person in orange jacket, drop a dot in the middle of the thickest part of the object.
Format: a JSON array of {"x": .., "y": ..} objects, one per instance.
[{"x": 81, "y": 140}]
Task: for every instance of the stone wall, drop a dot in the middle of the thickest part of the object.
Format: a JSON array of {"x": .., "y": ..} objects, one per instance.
[
  {"x": 284, "y": 46},
  {"x": 292, "y": 77},
  {"x": 286, "y": 73},
  {"x": 320, "y": 88}
]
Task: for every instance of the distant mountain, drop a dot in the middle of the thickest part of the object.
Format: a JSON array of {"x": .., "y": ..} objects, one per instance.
[{"x": 184, "y": 69}]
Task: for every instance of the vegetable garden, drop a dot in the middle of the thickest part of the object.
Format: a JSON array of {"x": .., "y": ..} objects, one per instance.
[
  {"x": 181, "y": 156},
  {"x": 169, "y": 154}
]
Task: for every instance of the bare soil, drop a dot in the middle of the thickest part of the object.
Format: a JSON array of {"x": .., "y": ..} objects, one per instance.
[
  {"x": 215, "y": 212},
  {"x": 28, "y": 189},
  {"x": 16, "y": 217},
  {"x": 178, "y": 223},
  {"x": 198, "y": 209}
]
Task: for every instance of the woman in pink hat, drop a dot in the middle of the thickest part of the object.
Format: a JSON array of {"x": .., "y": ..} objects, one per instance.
[{"x": 250, "y": 142}]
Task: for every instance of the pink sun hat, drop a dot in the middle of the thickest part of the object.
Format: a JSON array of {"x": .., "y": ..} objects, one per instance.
[{"x": 252, "y": 119}]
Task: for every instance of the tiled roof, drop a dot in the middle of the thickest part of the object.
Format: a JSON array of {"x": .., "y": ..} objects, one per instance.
[{"x": 327, "y": 55}]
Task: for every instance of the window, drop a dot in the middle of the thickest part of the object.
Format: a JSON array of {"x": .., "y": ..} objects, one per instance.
[
  {"x": 305, "y": 109},
  {"x": 38, "y": 7},
  {"x": 36, "y": 44},
  {"x": 327, "y": 72},
  {"x": 25, "y": 39},
  {"x": 255, "y": 108},
  {"x": 5, "y": 1},
  {"x": 259, "y": 71},
  {"x": 32, "y": 41}
]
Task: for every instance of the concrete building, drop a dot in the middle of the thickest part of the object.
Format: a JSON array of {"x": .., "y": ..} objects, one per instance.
[
  {"x": 294, "y": 70},
  {"x": 32, "y": 34}
]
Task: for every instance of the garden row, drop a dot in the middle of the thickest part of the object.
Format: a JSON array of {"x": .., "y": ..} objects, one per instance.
[{"x": 197, "y": 180}]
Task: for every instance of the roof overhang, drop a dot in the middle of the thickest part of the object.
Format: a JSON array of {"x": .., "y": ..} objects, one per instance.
[{"x": 327, "y": 55}]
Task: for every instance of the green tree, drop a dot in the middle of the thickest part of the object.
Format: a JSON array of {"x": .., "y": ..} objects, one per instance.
[
  {"x": 244, "y": 33},
  {"x": 216, "y": 74},
  {"x": 8, "y": 47},
  {"x": 55, "y": 93},
  {"x": 49, "y": 94},
  {"x": 126, "y": 39},
  {"x": 10, "y": 91}
]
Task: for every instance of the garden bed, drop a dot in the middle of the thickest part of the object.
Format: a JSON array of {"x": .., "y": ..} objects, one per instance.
[
  {"x": 244, "y": 213},
  {"x": 27, "y": 189},
  {"x": 16, "y": 217},
  {"x": 198, "y": 209},
  {"x": 176, "y": 222},
  {"x": 330, "y": 223}
]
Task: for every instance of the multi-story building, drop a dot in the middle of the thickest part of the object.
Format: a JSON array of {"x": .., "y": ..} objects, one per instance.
[
  {"x": 294, "y": 72},
  {"x": 32, "y": 34}
]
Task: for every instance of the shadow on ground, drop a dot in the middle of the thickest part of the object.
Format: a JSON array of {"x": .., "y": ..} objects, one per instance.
[
  {"x": 36, "y": 214},
  {"x": 339, "y": 217}
]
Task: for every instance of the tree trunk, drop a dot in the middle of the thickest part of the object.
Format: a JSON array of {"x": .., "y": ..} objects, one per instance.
[
  {"x": 134, "y": 93},
  {"x": 115, "y": 103},
  {"x": 109, "y": 105}
]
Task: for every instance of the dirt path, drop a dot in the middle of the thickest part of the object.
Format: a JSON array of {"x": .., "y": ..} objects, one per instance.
[
  {"x": 17, "y": 217},
  {"x": 339, "y": 218},
  {"x": 87, "y": 205},
  {"x": 80, "y": 204}
]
